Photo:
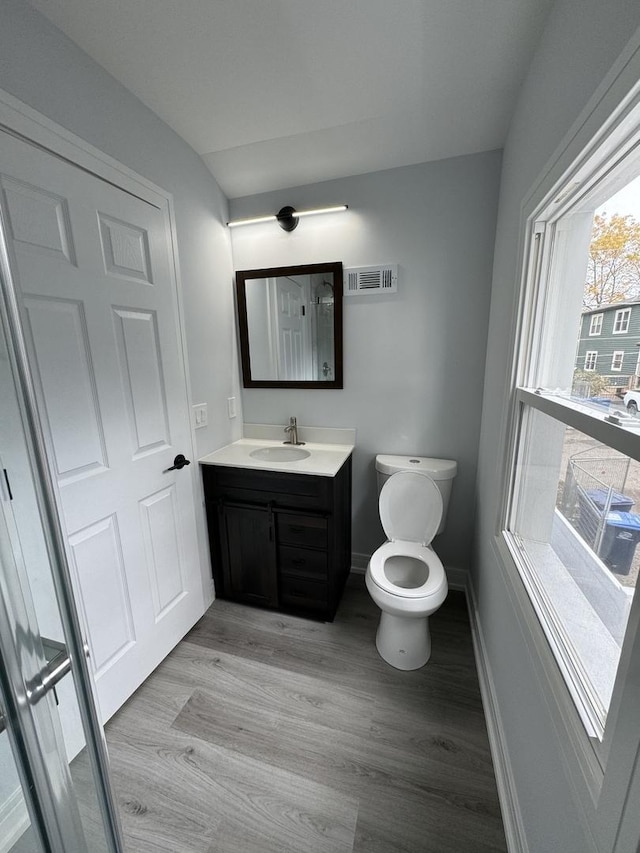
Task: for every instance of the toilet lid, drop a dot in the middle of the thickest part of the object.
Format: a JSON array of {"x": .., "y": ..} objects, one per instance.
[{"x": 410, "y": 507}]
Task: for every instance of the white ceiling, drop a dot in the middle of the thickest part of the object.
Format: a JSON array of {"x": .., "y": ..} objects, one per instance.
[{"x": 278, "y": 93}]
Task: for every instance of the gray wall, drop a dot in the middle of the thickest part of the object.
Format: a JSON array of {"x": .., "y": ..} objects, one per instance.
[
  {"x": 413, "y": 362},
  {"x": 42, "y": 67},
  {"x": 582, "y": 40}
]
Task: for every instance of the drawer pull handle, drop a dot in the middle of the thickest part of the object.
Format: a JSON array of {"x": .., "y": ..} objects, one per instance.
[
  {"x": 298, "y": 561},
  {"x": 296, "y": 528}
]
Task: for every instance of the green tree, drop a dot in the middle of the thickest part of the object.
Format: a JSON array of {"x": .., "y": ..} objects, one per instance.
[
  {"x": 596, "y": 383},
  {"x": 613, "y": 273}
]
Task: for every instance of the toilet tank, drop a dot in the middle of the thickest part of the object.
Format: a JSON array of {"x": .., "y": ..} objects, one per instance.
[{"x": 441, "y": 471}]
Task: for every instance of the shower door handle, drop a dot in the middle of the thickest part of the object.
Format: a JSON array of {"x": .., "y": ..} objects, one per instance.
[{"x": 57, "y": 666}]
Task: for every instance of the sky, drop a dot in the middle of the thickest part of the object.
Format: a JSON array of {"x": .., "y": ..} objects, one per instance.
[{"x": 626, "y": 201}]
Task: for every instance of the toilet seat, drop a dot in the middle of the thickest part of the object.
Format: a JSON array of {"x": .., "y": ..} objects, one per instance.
[
  {"x": 410, "y": 512},
  {"x": 435, "y": 578},
  {"x": 410, "y": 507}
]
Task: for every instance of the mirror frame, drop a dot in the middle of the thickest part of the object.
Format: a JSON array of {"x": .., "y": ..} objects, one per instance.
[{"x": 242, "y": 276}]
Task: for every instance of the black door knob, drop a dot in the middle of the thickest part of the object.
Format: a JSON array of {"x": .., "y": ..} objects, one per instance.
[{"x": 178, "y": 463}]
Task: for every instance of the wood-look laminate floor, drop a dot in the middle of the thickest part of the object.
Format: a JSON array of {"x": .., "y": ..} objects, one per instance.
[{"x": 264, "y": 733}]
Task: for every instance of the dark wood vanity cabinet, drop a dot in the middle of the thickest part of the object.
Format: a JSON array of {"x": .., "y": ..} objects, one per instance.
[{"x": 279, "y": 540}]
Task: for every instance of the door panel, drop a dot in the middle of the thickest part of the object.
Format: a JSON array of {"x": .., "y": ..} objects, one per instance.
[
  {"x": 62, "y": 363},
  {"x": 101, "y": 578},
  {"x": 160, "y": 521},
  {"x": 93, "y": 268},
  {"x": 126, "y": 249},
  {"x": 142, "y": 380},
  {"x": 291, "y": 323},
  {"x": 39, "y": 220}
]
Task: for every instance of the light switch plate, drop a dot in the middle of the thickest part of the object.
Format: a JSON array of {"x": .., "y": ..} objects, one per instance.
[
  {"x": 231, "y": 406},
  {"x": 200, "y": 416}
]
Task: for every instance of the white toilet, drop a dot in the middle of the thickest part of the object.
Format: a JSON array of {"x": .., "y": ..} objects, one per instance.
[{"x": 405, "y": 577}]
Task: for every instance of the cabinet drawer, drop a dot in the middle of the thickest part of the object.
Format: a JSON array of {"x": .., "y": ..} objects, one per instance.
[
  {"x": 306, "y": 594},
  {"x": 306, "y": 530},
  {"x": 302, "y": 563}
]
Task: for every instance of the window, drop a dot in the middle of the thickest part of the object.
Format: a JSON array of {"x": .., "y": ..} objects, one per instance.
[
  {"x": 596, "y": 326},
  {"x": 621, "y": 321},
  {"x": 572, "y": 520},
  {"x": 591, "y": 359}
]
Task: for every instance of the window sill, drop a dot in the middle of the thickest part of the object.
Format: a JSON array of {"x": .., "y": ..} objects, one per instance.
[{"x": 590, "y": 603}]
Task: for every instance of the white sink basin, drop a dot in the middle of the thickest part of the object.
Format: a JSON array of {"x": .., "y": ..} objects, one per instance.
[{"x": 279, "y": 454}]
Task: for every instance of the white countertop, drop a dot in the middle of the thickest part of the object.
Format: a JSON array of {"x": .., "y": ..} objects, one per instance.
[{"x": 325, "y": 460}]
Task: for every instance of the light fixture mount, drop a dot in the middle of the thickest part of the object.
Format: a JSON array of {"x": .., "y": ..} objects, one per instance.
[{"x": 287, "y": 219}]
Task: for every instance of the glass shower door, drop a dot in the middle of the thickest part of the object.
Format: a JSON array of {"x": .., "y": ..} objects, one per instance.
[
  {"x": 55, "y": 794},
  {"x": 21, "y": 837},
  {"x": 48, "y": 802},
  {"x": 37, "y": 811}
]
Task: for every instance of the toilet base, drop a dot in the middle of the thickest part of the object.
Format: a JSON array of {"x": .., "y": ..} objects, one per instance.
[{"x": 403, "y": 642}]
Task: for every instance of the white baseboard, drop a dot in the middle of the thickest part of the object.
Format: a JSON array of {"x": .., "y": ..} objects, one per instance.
[
  {"x": 359, "y": 563},
  {"x": 210, "y": 593},
  {"x": 14, "y": 820},
  {"x": 509, "y": 805},
  {"x": 457, "y": 578}
]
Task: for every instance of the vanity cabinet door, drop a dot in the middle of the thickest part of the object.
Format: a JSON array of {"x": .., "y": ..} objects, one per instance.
[{"x": 248, "y": 554}]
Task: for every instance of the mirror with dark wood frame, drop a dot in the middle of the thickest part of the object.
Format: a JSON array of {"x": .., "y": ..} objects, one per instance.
[{"x": 290, "y": 323}]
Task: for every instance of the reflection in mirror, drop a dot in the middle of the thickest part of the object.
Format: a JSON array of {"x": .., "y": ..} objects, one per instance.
[{"x": 290, "y": 321}]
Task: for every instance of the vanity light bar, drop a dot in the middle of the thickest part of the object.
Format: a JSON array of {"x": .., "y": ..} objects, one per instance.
[
  {"x": 287, "y": 213},
  {"x": 252, "y": 221},
  {"x": 337, "y": 209}
]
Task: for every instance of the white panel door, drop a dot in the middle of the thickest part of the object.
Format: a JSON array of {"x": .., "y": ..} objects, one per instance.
[
  {"x": 93, "y": 266},
  {"x": 291, "y": 323}
]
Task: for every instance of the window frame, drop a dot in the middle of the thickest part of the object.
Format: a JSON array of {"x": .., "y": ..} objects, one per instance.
[
  {"x": 621, "y": 353},
  {"x": 625, "y": 316},
  {"x": 609, "y": 143},
  {"x": 588, "y": 361},
  {"x": 595, "y": 331}
]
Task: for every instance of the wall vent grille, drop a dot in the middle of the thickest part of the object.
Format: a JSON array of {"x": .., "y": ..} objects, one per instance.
[{"x": 359, "y": 281}]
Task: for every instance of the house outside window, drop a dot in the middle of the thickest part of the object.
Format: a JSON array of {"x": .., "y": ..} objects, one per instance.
[
  {"x": 590, "y": 359},
  {"x": 616, "y": 361},
  {"x": 614, "y": 379},
  {"x": 596, "y": 325},
  {"x": 621, "y": 321}
]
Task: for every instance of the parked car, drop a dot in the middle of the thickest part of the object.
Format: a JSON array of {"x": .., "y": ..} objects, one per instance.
[{"x": 632, "y": 402}]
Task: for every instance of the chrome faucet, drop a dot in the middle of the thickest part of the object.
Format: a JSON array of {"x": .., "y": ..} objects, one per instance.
[{"x": 292, "y": 432}]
